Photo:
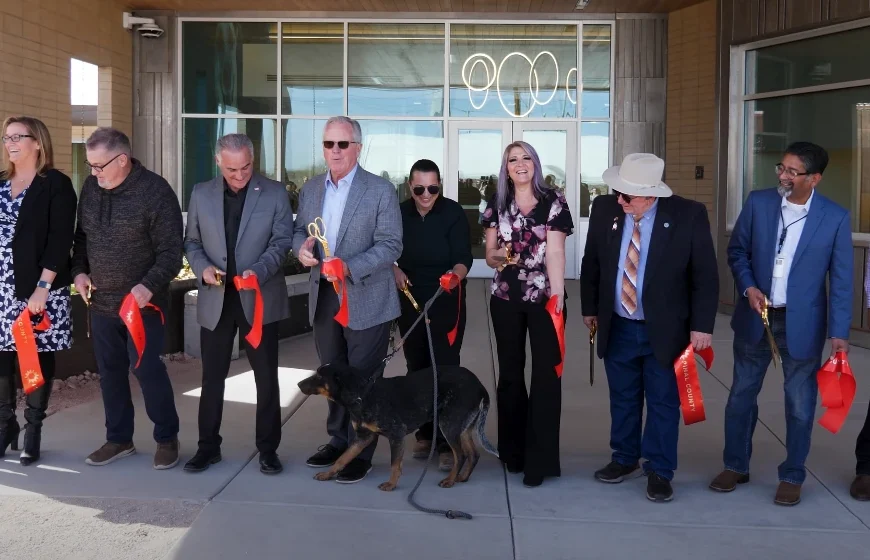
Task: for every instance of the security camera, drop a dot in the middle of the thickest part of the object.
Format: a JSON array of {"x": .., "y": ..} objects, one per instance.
[{"x": 147, "y": 26}]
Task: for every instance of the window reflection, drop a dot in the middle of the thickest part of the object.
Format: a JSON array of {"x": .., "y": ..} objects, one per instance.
[
  {"x": 303, "y": 154},
  {"x": 596, "y": 71},
  {"x": 594, "y": 159},
  {"x": 312, "y": 63}
]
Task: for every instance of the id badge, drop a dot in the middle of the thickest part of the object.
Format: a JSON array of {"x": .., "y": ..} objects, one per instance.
[{"x": 778, "y": 267}]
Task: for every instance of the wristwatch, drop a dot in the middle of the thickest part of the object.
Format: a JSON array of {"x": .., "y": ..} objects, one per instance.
[{"x": 43, "y": 284}]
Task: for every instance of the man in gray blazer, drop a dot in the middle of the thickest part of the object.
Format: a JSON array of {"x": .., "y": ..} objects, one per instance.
[
  {"x": 239, "y": 223},
  {"x": 363, "y": 225}
]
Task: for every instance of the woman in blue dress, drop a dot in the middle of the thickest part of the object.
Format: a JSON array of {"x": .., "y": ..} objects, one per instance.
[{"x": 37, "y": 220}]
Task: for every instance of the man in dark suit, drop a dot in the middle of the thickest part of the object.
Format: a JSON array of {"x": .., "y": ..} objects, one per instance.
[
  {"x": 239, "y": 223},
  {"x": 649, "y": 283},
  {"x": 791, "y": 250}
]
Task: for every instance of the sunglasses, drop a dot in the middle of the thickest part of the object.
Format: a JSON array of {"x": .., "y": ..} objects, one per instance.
[
  {"x": 342, "y": 144},
  {"x": 433, "y": 189},
  {"x": 625, "y": 197}
]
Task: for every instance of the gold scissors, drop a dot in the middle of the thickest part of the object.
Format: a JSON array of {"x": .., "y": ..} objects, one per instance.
[
  {"x": 766, "y": 320},
  {"x": 507, "y": 257},
  {"x": 592, "y": 332},
  {"x": 410, "y": 297},
  {"x": 317, "y": 230}
]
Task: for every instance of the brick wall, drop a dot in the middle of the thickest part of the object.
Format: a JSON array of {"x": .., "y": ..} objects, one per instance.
[
  {"x": 691, "y": 103},
  {"x": 37, "y": 41}
]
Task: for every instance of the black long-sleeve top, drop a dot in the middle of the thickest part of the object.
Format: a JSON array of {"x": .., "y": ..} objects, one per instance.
[{"x": 433, "y": 244}]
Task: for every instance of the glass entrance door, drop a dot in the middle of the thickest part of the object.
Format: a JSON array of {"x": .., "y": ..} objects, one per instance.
[{"x": 475, "y": 151}]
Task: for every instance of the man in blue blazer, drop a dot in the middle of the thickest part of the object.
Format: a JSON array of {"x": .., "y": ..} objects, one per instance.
[{"x": 786, "y": 243}]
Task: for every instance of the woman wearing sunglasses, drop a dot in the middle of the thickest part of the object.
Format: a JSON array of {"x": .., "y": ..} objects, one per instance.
[
  {"x": 436, "y": 239},
  {"x": 526, "y": 224}
]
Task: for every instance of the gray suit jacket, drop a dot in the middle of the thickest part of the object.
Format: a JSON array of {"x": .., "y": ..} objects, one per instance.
[
  {"x": 369, "y": 241},
  {"x": 265, "y": 238}
]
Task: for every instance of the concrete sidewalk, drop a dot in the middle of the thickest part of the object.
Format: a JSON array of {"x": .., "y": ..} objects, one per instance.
[{"x": 128, "y": 510}]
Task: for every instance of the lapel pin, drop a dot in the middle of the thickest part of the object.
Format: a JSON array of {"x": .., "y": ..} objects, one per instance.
[
  {"x": 667, "y": 225},
  {"x": 614, "y": 226}
]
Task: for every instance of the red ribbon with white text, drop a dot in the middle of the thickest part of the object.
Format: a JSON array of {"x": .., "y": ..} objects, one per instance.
[
  {"x": 559, "y": 323},
  {"x": 837, "y": 386},
  {"x": 132, "y": 317},
  {"x": 688, "y": 384},
  {"x": 25, "y": 345},
  {"x": 333, "y": 266},
  {"x": 255, "y": 335},
  {"x": 448, "y": 281}
]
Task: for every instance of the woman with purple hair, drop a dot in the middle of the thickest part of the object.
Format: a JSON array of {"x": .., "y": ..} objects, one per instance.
[{"x": 526, "y": 225}]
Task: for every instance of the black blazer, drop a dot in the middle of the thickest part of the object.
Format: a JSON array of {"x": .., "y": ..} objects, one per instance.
[
  {"x": 44, "y": 232},
  {"x": 681, "y": 279}
]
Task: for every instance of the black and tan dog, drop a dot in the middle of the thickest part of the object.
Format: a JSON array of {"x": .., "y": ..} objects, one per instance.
[{"x": 396, "y": 406}]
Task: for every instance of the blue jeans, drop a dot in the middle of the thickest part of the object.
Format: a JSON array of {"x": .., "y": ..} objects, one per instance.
[
  {"x": 632, "y": 372},
  {"x": 115, "y": 353},
  {"x": 741, "y": 412}
]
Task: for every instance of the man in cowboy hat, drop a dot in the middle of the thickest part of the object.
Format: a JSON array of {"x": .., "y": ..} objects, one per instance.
[{"x": 649, "y": 283}]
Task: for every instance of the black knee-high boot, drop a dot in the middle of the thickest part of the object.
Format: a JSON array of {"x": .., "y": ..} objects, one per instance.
[
  {"x": 34, "y": 414},
  {"x": 9, "y": 428}
]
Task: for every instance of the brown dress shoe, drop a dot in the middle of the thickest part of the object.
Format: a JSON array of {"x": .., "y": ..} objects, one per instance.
[
  {"x": 787, "y": 494},
  {"x": 166, "y": 456},
  {"x": 860, "y": 489},
  {"x": 109, "y": 453},
  {"x": 727, "y": 481},
  {"x": 421, "y": 448}
]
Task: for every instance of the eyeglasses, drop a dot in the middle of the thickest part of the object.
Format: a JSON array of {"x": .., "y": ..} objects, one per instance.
[
  {"x": 433, "y": 189},
  {"x": 342, "y": 144},
  {"x": 790, "y": 173},
  {"x": 17, "y": 138},
  {"x": 625, "y": 197},
  {"x": 99, "y": 168}
]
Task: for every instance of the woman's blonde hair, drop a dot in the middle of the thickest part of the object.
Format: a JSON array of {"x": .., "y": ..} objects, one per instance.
[{"x": 39, "y": 131}]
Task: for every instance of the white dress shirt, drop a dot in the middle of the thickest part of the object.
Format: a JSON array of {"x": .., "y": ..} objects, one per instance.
[{"x": 794, "y": 216}]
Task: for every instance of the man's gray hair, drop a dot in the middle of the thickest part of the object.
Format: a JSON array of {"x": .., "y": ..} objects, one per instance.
[
  {"x": 357, "y": 131},
  {"x": 234, "y": 143},
  {"x": 111, "y": 139}
]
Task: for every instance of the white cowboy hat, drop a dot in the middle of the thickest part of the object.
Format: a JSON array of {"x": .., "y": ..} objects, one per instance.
[{"x": 639, "y": 175}]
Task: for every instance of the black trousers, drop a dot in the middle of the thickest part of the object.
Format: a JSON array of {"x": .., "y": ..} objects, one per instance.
[
  {"x": 862, "y": 447},
  {"x": 37, "y": 401},
  {"x": 217, "y": 348},
  {"x": 528, "y": 422},
  {"x": 363, "y": 349},
  {"x": 442, "y": 317}
]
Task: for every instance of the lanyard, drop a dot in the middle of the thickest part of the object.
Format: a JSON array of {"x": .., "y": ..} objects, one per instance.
[{"x": 785, "y": 229}]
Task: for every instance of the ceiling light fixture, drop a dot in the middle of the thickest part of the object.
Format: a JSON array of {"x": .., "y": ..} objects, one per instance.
[{"x": 581, "y": 4}]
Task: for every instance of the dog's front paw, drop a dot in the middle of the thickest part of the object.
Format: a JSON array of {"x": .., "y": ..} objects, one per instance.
[
  {"x": 323, "y": 476},
  {"x": 447, "y": 483},
  {"x": 387, "y": 486}
]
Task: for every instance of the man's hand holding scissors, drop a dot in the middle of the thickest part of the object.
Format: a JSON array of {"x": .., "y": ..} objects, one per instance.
[
  {"x": 213, "y": 276},
  {"x": 306, "y": 253}
]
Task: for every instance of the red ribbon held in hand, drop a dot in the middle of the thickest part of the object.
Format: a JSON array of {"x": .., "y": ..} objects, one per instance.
[
  {"x": 25, "y": 344},
  {"x": 558, "y": 322},
  {"x": 688, "y": 384},
  {"x": 333, "y": 266},
  {"x": 132, "y": 317},
  {"x": 255, "y": 335},
  {"x": 837, "y": 386},
  {"x": 448, "y": 281}
]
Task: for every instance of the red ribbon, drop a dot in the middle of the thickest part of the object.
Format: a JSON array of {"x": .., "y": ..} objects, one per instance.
[
  {"x": 837, "y": 386},
  {"x": 132, "y": 317},
  {"x": 255, "y": 335},
  {"x": 558, "y": 322},
  {"x": 25, "y": 344},
  {"x": 448, "y": 281},
  {"x": 688, "y": 384},
  {"x": 333, "y": 266}
]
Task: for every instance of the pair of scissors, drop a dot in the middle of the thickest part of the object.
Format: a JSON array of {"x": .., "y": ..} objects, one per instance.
[
  {"x": 507, "y": 258},
  {"x": 592, "y": 332},
  {"x": 317, "y": 230},
  {"x": 410, "y": 297},
  {"x": 766, "y": 320}
]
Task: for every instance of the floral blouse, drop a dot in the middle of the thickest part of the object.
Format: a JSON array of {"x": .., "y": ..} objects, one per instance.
[{"x": 527, "y": 280}]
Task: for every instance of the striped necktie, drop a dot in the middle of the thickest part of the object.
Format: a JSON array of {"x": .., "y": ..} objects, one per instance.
[{"x": 629, "y": 275}]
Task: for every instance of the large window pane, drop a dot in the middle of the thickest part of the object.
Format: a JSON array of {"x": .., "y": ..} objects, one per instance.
[
  {"x": 836, "y": 120},
  {"x": 312, "y": 67},
  {"x": 200, "y": 136},
  {"x": 390, "y": 148},
  {"x": 596, "y": 71},
  {"x": 303, "y": 154},
  {"x": 229, "y": 68},
  {"x": 509, "y": 71},
  {"x": 840, "y": 57},
  {"x": 594, "y": 159},
  {"x": 395, "y": 70}
]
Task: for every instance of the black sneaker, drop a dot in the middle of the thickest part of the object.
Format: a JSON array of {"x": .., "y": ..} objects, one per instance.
[
  {"x": 326, "y": 456},
  {"x": 658, "y": 488},
  {"x": 615, "y": 473},
  {"x": 355, "y": 471}
]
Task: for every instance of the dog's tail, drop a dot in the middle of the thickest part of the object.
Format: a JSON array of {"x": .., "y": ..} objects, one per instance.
[{"x": 481, "y": 425}]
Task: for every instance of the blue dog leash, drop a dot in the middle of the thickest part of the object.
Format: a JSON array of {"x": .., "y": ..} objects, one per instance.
[{"x": 448, "y": 513}]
